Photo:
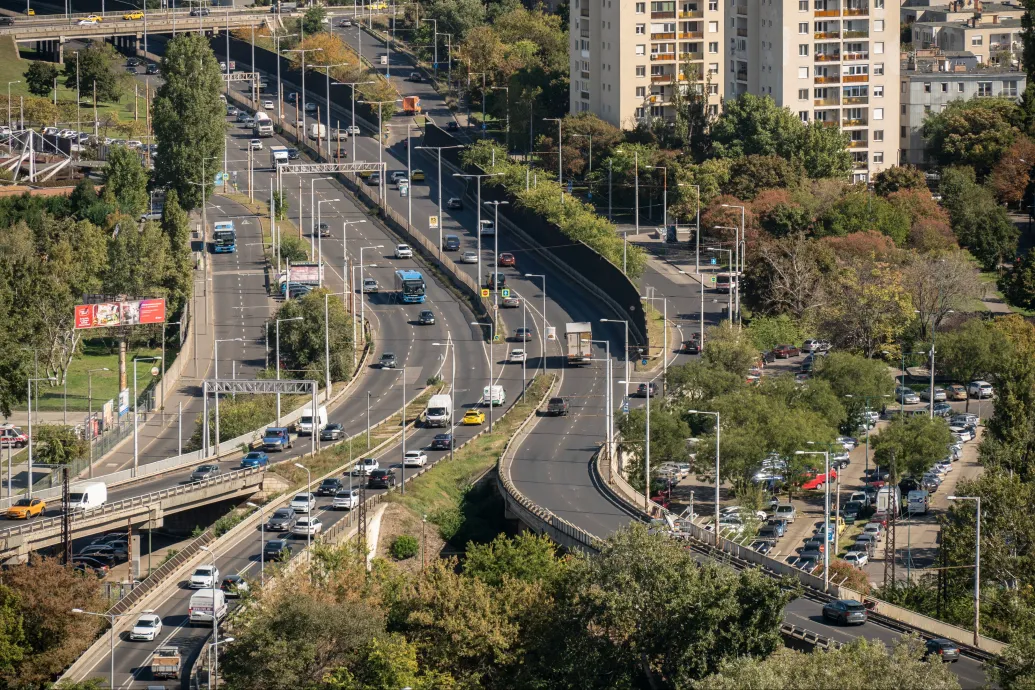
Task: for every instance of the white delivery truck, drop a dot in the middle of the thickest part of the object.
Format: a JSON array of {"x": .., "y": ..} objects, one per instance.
[
  {"x": 577, "y": 337},
  {"x": 889, "y": 500},
  {"x": 487, "y": 227},
  {"x": 305, "y": 422},
  {"x": 263, "y": 125},
  {"x": 439, "y": 411},
  {"x": 917, "y": 502},
  {"x": 86, "y": 495},
  {"x": 317, "y": 131},
  {"x": 201, "y": 606},
  {"x": 278, "y": 156},
  {"x": 494, "y": 396}
]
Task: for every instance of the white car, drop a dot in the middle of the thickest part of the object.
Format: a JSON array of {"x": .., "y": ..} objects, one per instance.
[
  {"x": 396, "y": 176},
  {"x": 403, "y": 251},
  {"x": 303, "y": 503},
  {"x": 204, "y": 576},
  {"x": 148, "y": 626},
  {"x": 346, "y": 499},
  {"x": 517, "y": 355},
  {"x": 66, "y": 133},
  {"x": 856, "y": 558},
  {"x": 352, "y": 130},
  {"x": 415, "y": 458},
  {"x": 404, "y": 188},
  {"x": 307, "y": 526},
  {"x": 962, "y": 433},
  {"x": 255, "y": 144},
  {"x": 367, "y": 465},
  {"x": 980, "y": 389},
  {"x": 268, "y": 104},
  {"x": 87, "y": 22}
]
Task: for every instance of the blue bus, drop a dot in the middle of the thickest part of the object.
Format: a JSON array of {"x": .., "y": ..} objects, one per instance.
[
  {"x": 224, "y": 237},
  {"x": 410, "y": 286}
]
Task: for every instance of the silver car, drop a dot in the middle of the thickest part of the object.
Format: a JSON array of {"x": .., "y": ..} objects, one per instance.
[{"x": 469, "y": 257}]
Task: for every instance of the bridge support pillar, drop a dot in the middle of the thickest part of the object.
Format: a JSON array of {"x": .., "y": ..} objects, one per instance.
[
  {"x": 59, "y": 56},
  {"x": 134, "y": 553}
]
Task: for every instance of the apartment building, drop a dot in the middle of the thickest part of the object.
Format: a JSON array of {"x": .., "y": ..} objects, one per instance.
[
  {"x": 931, "y": 79},
  {"x": 627, "y": 56},
  {"x": 957, "y": 10},
  {"x": 992, "y": 38},
  {"x": 826, "y": 60}
]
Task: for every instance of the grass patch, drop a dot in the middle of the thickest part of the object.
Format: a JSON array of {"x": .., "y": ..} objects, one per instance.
[
  {"x": 656, "y": 338},
  {"x": 262, "y": 210},
  {"x": 97, "y": 354},
  {"x": 462, "y": 510}
]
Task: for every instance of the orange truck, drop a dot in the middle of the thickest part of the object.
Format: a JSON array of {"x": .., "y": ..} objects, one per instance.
[{"x": 411, "y": 105}]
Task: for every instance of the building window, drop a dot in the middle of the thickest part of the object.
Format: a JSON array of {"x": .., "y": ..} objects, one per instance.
[
  {"x": 878, "y": 135},
  {"x": 639, "y": 112},
  {"x": 959, "y": 87},
  {"x": 945, "y": 87},
  {"x": 804, "y": 115},
  {"x": 878, "y": 4},
  {"x": 803, "y": 94},
  {"x": 878, "y": 25},
  {"x": 878, "y": 113},
  {"x": 803, "y": 27},
  {"x": 927, "y": 109},
  {"x": 984, "y": 88},
  {"x": 713, "y": 89},
  {"x": 641, "y": 91},
  {"x": 713, "y": 5},
  {"x": 641, "y": 71},
  {"x": 878, "y": 48},
  {"x": 977, "y": 40},
  {"x": 878, "y": 69},
  {"x": 641, "y": 49},
  {"x": 1009, "y": 88},
  {"x": 641, "y": 8},
  {"x": 803, "y": 49},
  {"x": 713, "y": 27},
  {"x": 713, "y": 47},
  {"x": 713, "y": 68},
  {"x": 803, "y": 5},
  {"x": 902, "y": 132},
  {"x": 927, "y": 87},
  {"x": 878, "y": 156},
  {"x": 713, "y": 110},
  {"x": 878, "y": 92},
  {"x": 641, "y": 29},
  {"x": 803, "y": 73}
]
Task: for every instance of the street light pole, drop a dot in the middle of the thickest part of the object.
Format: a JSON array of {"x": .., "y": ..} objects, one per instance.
[
  {"x": 136, "y": 413},
  {"x": 626, "y": 350},
  {"x": 319, "y": 233},
  {"x": 452, "y": 391},
  {"x": 977, "y": 567},
  {"x": 718, "y": 431},
  {"x": 438, "y": 149},
  {"x": 542, "y": 333},
  {"x": 362, "y": 294},
  {"x": 496, "y": 250},
  {"x": 89, "y": 397},
  {"x": 294, "y": 318},
  {"x": 478, "y": 225},
  {"x": 826, "y": 512},
  {"x": 308, "y": 532},
  {"x": 492, "y": 339},
  {"x": 110, "y": 617}
]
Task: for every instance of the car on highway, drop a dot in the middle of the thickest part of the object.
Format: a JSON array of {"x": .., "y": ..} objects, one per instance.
[
  {"x": 646, "y": 390},
  {"x": 204, "y": 576},
  {"x": 310, "y": 107},
  {"x": 293, "y": 154},
  {"x": 255, "y": 458},
  {"x": 231, "y": 111},
  {"x": 443, "y": 442},
  {"x": 281, "y": 520},
  {"x": 321, "y": 229},
  {"x": 980, "y": 389},
  {"x": 557, "y": 407},
  {"x": 147, "y": 627},
  {"x": 255, "y": 144},
  {"x": 856, "y": 558},
  {"x": 91, "y": 22},
  {"x": 691, "y": 347},
  {"x": 276, "y": 438},
  {"x": 25, "y": 508},
  {"x": 332, "y": 432},
  {"x": 242, "y": 116},
  {"x": 506, "y": 259},
  {"x": 352, "y": 130},
  {"x": 939, "y": 394},
  {"x": 451, "y": 243},
  {"x": 329, "y": 487},
  {"x": 303, "y": 503},
  {"x": 947, "y": 650},
  {"x": 367, "y": 465},
  {"x": 847, "y": 611},
  {"x": 415, "y": 458},
  {"x": 200, "y": 12},
  {"x": 98, "y": 18},
  {"x": 454, "y": 203},
  {"x": 152, "y": 68},
  {"x": 388, "y": 361},
  {"x": 309, "y": 525},
  {"x": 510, "y": 302},
  {"x": 249, "y": 122},
  {"x": 403, "y": 251},
  {"x": 345, "y": 499},
  {"x": 469, "y": 257},
  {"x": 381, "y": 479},
  {"x": 786, "y": 351},
  {"x": 369, "y": 285},
  {"x": 129, "y": 16},
  {"x": 517, "y": 356},
  {"x": 234, "y": 586},
  {"x": 373, "y": 179},
  {"x": 414, "y": 77},
  {"x": 268, "y": 104},
  {"x": 523, "y": 335},
  {"x": 417, "y": 175},
  {"x": 426, "y": 317},
  {"x": 277, "y": 550},
  {"x": 344, "y": 23},
  {"x": 204, "y": 472},
  {"x": 473, "y": 418}
]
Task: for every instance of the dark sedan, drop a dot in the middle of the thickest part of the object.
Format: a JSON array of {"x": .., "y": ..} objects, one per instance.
[
  {"x": 329, "y": 487},
  {"x": 443, "y": 442},
  {"x": 332, "y": 432},
  {"x": 277, "y": 550},
  {"x": 282, "y": 520},
  {"x": 646, "y": 390},
  {"x": 845, "y": 611},
  {"x": 946, "y": 649},
  {"x": 381, "y": 479}
]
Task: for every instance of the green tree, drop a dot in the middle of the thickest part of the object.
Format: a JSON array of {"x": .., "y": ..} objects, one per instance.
[
  {"x": 860, "y": 211},
  {"x": 980, "y": 223},
  {"x": 126, "y": 180},
  {"x": 912, "y": 444},
  {"x": 456, "y": 17},
  {"x": 695, "y": 382},
  {"x": 138, "y": 260},
  {"x": 854, "y": 379},
  {"x": 187, "y": 108},
  {"x": 40, "y": 78},
  {"x": 970, "y": 351},
  {"x": 528, "y": 556},
  {"x": 176, "y": 226},
  {"x": 766, "y": 332},
  {"x": 387, "y": 661},
  {"x": 750, "y": 175},
  {"x": 282, "y": 204},
  {"x": 1009, "y": 430},
  {"x": 404, "y": 546},
  {"x": 824, "y": 152},
  {"x": 98, "y": 65},
  {"x": 312, "y": 20},
  {"x": 1015, "y": 667},
  {"x": 730, "y": 349},
  {"x": 293, "y": 249},
  {"x": 668, "y": 434},
  {"x": 899, "y": 177},
  {"x": 56, "y": 444},
  {"x": 1018, "y": 284},
  {"x": 756, "y": 125},
  {"x": 975, "y": 132},
  {"x": 302, "y": 342},
  {"x": 861, "y": 664}
]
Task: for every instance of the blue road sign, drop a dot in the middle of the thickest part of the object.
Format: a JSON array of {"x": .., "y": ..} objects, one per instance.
[
  {"x": 570, "y": 186},
  {"x": 625, "y": 405},
  {"x": 712, "y": 261},
  {"x": 484, "y": 126},
  {"x": 506, "y": 292},
  {"x": 434, "y": 65},
  {"x": 643, "y": 361}
]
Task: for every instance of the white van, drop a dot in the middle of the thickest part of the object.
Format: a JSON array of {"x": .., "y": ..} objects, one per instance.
[
  {"x": 487, "y": 227},
  {"x": 305, "y": 422},
  {"x": 439, "y": 411},
  {"x": 918, "y": 501},
  {"x": 86, "y": 496},
  {"x": 494, "y": 396},
  {"x": 200, "y": 610}
]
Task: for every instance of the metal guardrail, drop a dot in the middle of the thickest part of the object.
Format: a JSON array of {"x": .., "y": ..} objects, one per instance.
[
  {"x": 127, "y": 503},
  {"x": 157, "y": 25},
  {"x": 156, "y": 576}
]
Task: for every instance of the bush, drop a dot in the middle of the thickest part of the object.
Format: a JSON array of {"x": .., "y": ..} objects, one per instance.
[
  {"x": 404, "y": 547},
  {"x": 227, "y": 523}
]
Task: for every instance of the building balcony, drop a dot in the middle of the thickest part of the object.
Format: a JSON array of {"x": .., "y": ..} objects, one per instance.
[
  {"x": 663, "y": 15},
  {"x": 742, "y": 10},
  {"x": 856, "y": 12},
  {"x": 691, "y": 34},
  {"x": 856, "y": 100},
  {"x": 827, "y": 123},
  {"x": 691, "y": 56},
  {"x": 826, "y": 101},
  {"x": 853, "y": 123},
  {"x": 584, "y": 95},
  {"x": 856, "y": 78},
  {"x": 742, "y": 32},
  {"x": 820, "y": 35},
  {"x": 857, "y": 34},
  {"x": 584, "y": 33},
  {"x": 742, "y": 76},
  {"x": 859, "y": 165},
  {"x": 660, "y": 57},
  {"x": 692, "y": 14},
  {"x": 584, "y": 11},
  {"x": 858, "y": 144},
  {"x": 663, "y": 37},
  {"x": 585, "y": 74},
  {"x": 827, "y": 13},
  {"x": 829, "y": 79},
  {"x": 856, "y": 56},
  {"x": 660, "y": 78},
  {"x": 828, "y": 57}
]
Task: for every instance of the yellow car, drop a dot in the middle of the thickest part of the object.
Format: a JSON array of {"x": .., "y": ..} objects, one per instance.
[
  {"x": 96, "y": 18},
  {"x": 133, "y": 15},
  {"x": 26, "y": 508},
  {"x": 417, "y": 175},
  {"x": 474, "y": 418}
]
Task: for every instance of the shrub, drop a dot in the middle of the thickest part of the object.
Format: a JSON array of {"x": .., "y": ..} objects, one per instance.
[{"x": 404, "y": 547}]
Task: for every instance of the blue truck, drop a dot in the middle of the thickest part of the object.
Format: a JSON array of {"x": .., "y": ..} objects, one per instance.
[
  {"x": 410, "y": 286},
  {"x": 276, "y": 438}
]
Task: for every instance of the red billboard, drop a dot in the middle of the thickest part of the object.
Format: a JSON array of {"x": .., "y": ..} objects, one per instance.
[{"x": 130, "y": 313}]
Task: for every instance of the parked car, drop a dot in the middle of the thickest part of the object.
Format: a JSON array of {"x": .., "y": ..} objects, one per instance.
[
  {"x": 856, "y": 558},
  {"x": 939, "y": 394},
  {"x": 906, "y": 396},
  {"x": 786, "y": 351},
  {"x": 980, "y": 389},
  {"x": 847, "y": 611},
  {"x": 786, "y": 511},
  {"x": 956, "y": 392}
]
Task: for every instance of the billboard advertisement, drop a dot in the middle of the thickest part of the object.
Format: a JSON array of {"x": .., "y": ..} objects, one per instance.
[
  {"x": 307, "y": 274},
  {"x": 123, "y": 401},
  {"x": 130, "y": 313}
]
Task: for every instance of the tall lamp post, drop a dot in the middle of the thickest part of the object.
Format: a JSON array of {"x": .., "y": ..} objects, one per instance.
[
  {"x": 319, "y": 233},
  {"x": 452, "y": 391},
  {"x": 977, "y": 566},
  {"x": 215, "y": 361},
  {"x": 402, "y": 416},
  {"x": 478, "y": 226},
  {"x": 277, "y": 327},
  {"x": 507, "y": 133},
  {"x": 664, "y": 193},
  {"x": 89, "y": 397},
  {"x": 110, "y": 617},
  {"x": 492, "y": 340},
  {"x": 362, "y": 298},
  {"x": 136, "y": 412},
  {"x": 353, "y": 129},
  {"x": 626, "y": 350},
  {"x": 866, "y": 407},
  {"x": 741, "y": 246},
  {"x": 718, "y": 431},
  {"x": 496, "y": 248},
  {"x": 729, "y": 261},
  {"x": 826, "y": 512},
  {"x": 438, "y": 149},
  {"x": 214, "y": 671},
  {"x": 542, "y": 334},
  {"x": 309, "y": 492}
]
